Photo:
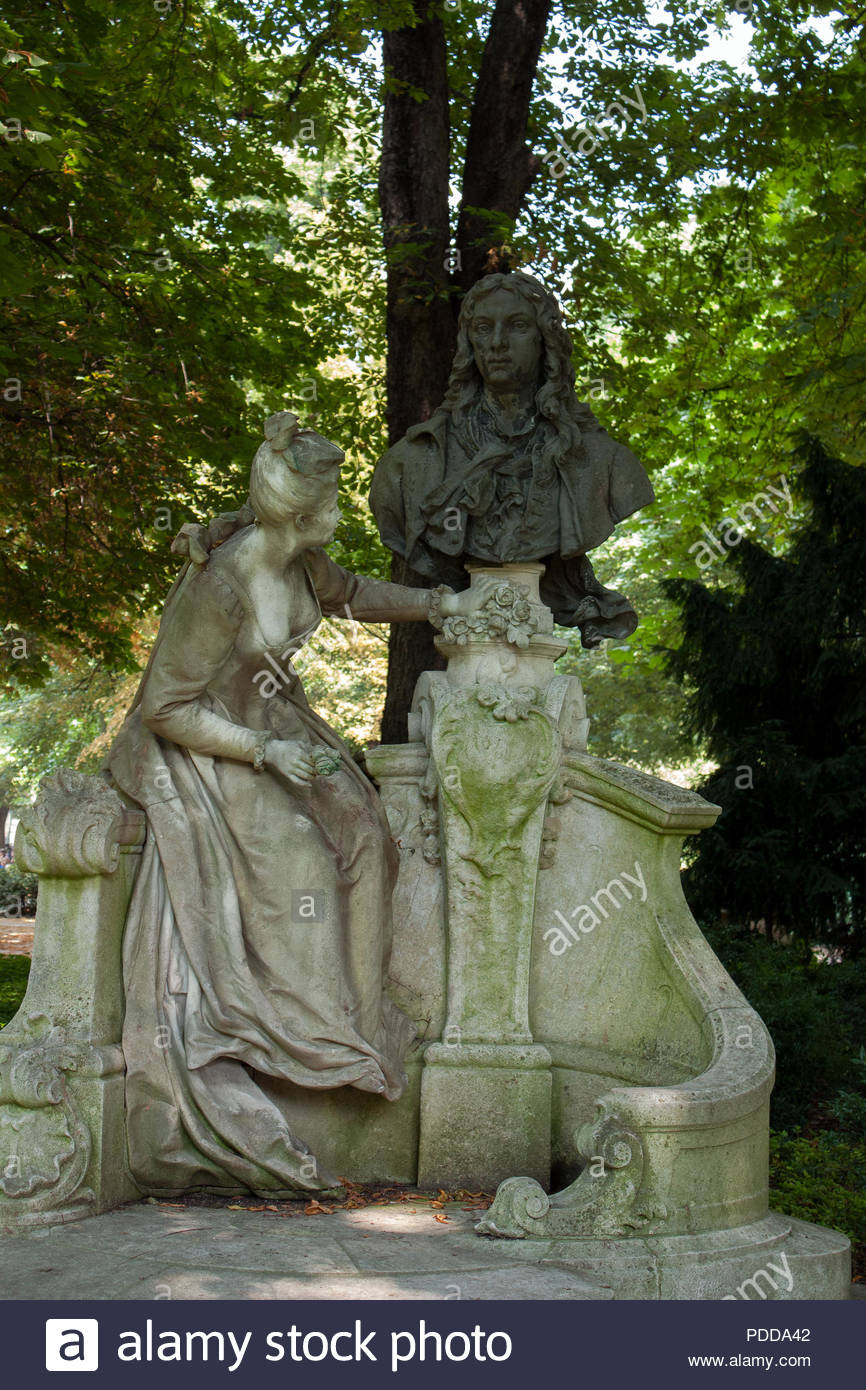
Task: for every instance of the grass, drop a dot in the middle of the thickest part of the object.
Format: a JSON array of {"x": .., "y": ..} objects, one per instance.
[{"x": 13, "y": 982}]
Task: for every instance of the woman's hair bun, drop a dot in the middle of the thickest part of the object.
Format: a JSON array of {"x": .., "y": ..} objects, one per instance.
[{"x": 280, "y": 430}]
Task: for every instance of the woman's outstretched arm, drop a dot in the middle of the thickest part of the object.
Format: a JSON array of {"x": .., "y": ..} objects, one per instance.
[{"x": 342, "y": 594}]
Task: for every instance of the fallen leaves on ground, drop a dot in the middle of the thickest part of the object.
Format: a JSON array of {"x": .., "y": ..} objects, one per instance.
[{"x": 355, "y": 1197}]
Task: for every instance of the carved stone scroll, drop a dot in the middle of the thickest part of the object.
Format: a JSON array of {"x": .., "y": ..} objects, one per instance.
[
  {"x": 75, "y": 829},
  {"x": 62, "y": 1132}
]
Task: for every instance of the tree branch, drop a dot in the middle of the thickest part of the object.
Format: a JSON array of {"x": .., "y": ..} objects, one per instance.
[{"x": 500, "y": 165}]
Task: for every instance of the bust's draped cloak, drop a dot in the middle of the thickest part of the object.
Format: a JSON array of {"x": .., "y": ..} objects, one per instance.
[
  {"x": 258, "y": 936},
  {"x": 447, "y": 494}
]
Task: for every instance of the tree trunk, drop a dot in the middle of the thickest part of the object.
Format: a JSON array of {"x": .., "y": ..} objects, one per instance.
[
  {"x": 499, "y": 165},
  {"x": 413, "y": 197}
]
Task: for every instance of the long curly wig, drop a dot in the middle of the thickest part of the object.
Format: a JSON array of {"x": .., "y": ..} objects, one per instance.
[{"x": 556, "y": 400}]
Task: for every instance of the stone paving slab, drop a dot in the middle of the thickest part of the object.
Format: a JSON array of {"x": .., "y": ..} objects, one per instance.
[
  {"x": 156, "y": 1251},
  {"x": 517, "y": 1281},
  {"x": 398, "y": 1251},
  {"x": 397, "y": 1254}
]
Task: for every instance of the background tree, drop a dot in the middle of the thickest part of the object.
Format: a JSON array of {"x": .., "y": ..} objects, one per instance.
[
  {"x": 153, "y": 311},
  {"x": 684, "y": 239},
  {"x": 204, "y": 218},
  {"x": 709, "y": 255},
  {"x": 777, "y": 671},
  {"x": 425, "y": 270}
]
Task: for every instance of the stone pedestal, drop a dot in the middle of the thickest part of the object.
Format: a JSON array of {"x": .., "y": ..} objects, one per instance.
[
  {"x": 62, "y": 1118},
  {"x": 491, "y": 725},
  {"x": 776, "y": 1259},
  {"x": 578, "y": 1041},
  {"x": 471, "y": 1092}
]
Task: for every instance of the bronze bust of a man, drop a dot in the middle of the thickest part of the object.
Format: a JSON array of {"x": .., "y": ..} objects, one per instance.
[{"x": 512, "y": 467}]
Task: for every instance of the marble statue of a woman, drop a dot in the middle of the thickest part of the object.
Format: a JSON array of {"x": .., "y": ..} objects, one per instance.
[{"x": 258, "y": 937}]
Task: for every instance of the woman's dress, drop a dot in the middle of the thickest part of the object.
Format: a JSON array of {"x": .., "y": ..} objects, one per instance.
[{"x": 259, "y": 932}]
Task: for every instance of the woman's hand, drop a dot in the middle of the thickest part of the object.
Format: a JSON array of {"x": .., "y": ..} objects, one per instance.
[
  {"x": 462, "y": 604},
  {"x": 292, "y": 759}
]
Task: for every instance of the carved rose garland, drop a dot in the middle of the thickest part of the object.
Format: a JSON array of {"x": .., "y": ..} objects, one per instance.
[{"x": 506, "y": 613}]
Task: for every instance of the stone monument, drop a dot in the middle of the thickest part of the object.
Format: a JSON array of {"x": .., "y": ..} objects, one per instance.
[
  {"x": 253, "y": 972},
  {"x": 582, "y": 1031},
  {"x": 62, "y": 1109},
  {"x": 215, "y": 911}
]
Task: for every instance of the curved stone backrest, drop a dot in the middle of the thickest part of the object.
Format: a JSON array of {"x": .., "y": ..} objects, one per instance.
[
  {"x": 662, "y": 1070},
  {"x": 652, "y": 1046}
]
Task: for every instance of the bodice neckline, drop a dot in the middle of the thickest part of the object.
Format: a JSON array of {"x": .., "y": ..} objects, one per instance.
[{"x": 295, "y": 640}]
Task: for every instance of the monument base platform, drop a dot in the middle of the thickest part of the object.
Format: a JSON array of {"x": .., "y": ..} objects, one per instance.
[
  {"x": 356, "y": 1135},
  {"x": 777, "y": 1259}
]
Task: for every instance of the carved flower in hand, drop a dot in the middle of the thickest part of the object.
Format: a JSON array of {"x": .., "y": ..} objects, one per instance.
[
  {"x": 505, "y": 611},
  {"x": 326, "y": 761}
]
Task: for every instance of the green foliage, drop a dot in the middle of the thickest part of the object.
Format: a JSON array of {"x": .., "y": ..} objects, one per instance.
[
  {"x": 14, "y": 971},
  {"x": 713, "y": 265},
  {"x": 848, "y": 1111},
  {"x": 178, "y": 262},
  {"x": 189, "y": 237},
  {"x": 822, "y": 1178},
  {"x": 636, "y": 711},
  {"x": 814, "y": 1010},
  {"x": 343, "y": 668},
  {"x": 18, "y": 892},
  {"x": 718, "y": 284},
  {"x": 777, "y": 667},
  {"x": 66, "y": 722},
  {"x": 189, "y": 240}
]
